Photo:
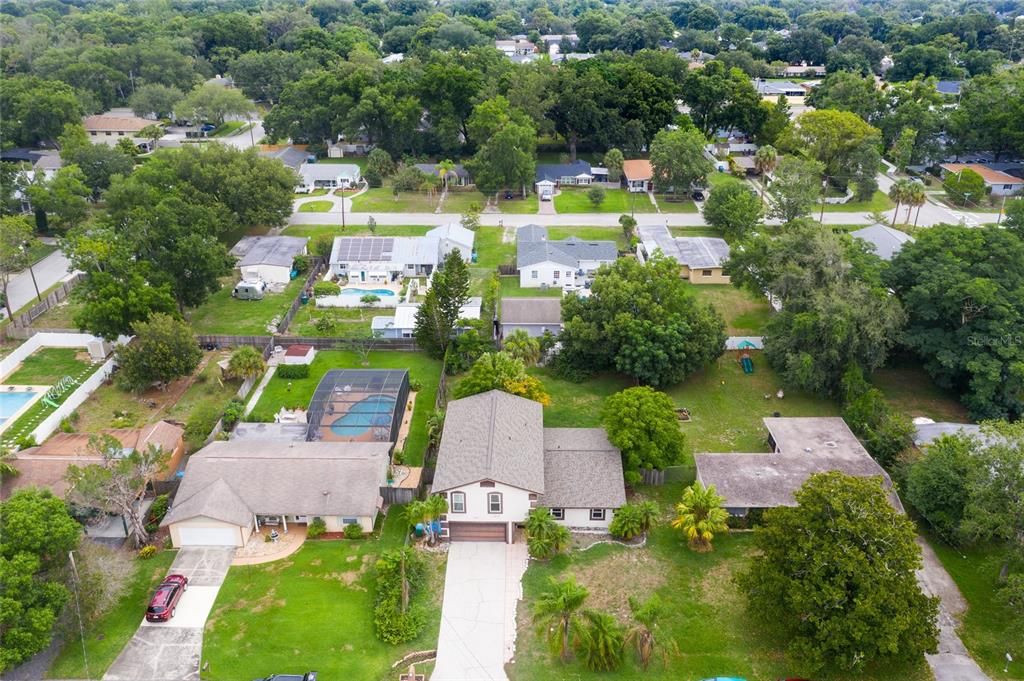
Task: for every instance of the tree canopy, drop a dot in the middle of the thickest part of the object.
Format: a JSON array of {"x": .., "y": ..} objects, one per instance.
[{"x": 642, "y": 423}]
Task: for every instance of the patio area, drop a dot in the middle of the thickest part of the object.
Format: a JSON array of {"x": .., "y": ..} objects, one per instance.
[
  {"x": 358, "y": 405},
  {"x": 258, "y": 550}
]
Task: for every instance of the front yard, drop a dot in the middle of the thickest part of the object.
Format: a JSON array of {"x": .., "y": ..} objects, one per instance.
[
  {"x": 311, "y": 611},
  {"x": 222, "y": 314},
  {"x": 575, "y": 200},
  {"x": 668, "y": 204},
  {"x": 879, "y": 202},
  {"x": 383, "y": 200},
  {"x": 297, "y": 392},
  {"x": 316, "y": 207}
]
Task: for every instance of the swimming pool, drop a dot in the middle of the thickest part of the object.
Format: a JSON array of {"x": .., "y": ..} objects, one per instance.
[
  {"x": 381, "y": 292},
  {"x": 12, "y": 402},
  {"x": 374, "y": 411}
]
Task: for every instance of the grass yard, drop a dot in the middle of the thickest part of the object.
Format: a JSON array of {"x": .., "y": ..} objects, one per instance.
[
  {"x": 46, "y": 366},
  {"x": 312, "y": 610},
  {"x": 704, "y": 612},
  {"x": 987, "y": 629},
  {"x": 60, "y": 316},
  {"x": 316, "y": 207},
  {"x": 315, "y": 192},
  {"x": 879, "y": 202},
  {"x": 718, "y": 179},
  {"x": 668, "y": 205},
  {"x": 459, "y": 201},
  {"x": 726, "y": 405},
  {"x": 910, "y": 389},
  {"x": 297, "y": 392},
  {"x": 349, "y": 322},
  {"x": 491, "y": 250},
  {"x": 745, "y": 314},
  {"x": 510, "y": 288},
  {"x": 575, "y": 200},
  {"x": 382, "y": 200},
  {"x": 528, "y": 206},
  {"x": 222, "y": 314},
  {"x": 106, "y": 636},
  {"x": 313, "y": 231}
]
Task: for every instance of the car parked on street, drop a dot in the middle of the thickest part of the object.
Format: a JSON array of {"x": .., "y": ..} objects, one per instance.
[{"x": 165, "y": 599}]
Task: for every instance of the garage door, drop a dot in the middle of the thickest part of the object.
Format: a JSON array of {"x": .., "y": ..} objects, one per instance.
[
  {"x": 476, "y": 531},
  {"x": 208, "y": 536}
]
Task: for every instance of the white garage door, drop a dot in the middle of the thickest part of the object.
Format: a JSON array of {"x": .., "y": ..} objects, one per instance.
[{"x": 208, "y": 536}]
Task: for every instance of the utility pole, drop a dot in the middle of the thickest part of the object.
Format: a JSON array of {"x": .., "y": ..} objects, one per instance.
[
  {"x": 824, "y": 186},
  {"x": 78, "y": 608},
  {"x": 1002, "y": 206}
]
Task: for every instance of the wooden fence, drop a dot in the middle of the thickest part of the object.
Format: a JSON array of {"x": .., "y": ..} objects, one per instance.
[
  {"x": 52, "y": 298},
  {"x": 398, "y": 495},
  {"x": 317, "y": 267},
  {"x": 330, "y": 343},
  {"x": 683, "y": 474}
]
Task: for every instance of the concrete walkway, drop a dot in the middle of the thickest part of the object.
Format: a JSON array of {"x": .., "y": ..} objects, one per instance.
[{"x": 478, "y": 616}]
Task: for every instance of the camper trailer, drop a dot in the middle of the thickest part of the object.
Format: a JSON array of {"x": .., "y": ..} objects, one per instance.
[{"x": 249, "y": 290}]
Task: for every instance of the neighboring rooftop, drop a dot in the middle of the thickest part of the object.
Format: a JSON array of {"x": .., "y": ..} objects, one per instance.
[
  {"x": 948, "y": 87},
  {"x": 553, "y": 172},
  {"x": 293, "y": 157},
  {"x": 885, "y": 240},
  {"x": 431, "y": 169},
  {"x": 115, "y": 123},
  {"x": 694, "y": 252},
  {"x": 990, "y": 176},
  {"x": 546, "y": 310},
  {"x": 582, "y": 469},
  {"x": 928, "y": 432},
  {"x": 637, "y": 170},
  {"x": 269, "y": 250},
  {"x": 270, "y": 432},
  {"x": 533, "y": 247}
]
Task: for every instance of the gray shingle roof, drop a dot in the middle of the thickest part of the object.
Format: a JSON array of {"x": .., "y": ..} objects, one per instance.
[
  {"x": 274, "y": 478},
  {"x": 581, "y": 470},
  {"x": 492, "y": 436},
  {"x": 289, "y": 156},
  {"x": 693, "y": 251},
  {"x": 887, "y": 242},
  {"x": 269, "y": 250},
  {"x": 533, "y": 247},
  {"x": 531, "y": 310}
]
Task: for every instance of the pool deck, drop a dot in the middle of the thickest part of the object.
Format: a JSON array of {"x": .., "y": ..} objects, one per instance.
[
  {"x": 39, "y": 390},
  {"x": 337, "y": 410}
]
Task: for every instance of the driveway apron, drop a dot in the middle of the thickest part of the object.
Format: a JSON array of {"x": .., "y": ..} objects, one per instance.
[
  {"x": 478, "y": 616},
  {"x": 171, "y": 651}
]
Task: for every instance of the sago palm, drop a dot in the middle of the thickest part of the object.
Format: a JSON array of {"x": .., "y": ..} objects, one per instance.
[
  {"x": 545, "y": 537},
  {"x": 556, "y": 610},
  {"x": 643, "y": 635},
  {"x": 700, "y": 515},
  {"x": 600, "y": 641}
]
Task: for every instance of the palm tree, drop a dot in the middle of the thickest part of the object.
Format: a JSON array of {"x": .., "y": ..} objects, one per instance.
[
  {"x": 7, "y": 469},
  {"x": 700, "y": 516},
  {"x": 915, "y": 197},
  {"x": 643, "y": 634},
  {"x": 544, "y": 536},
  {"x": 898, "y": 192},
  {"x": 434, "y": 507},
  {"x": 633, "y": 520},
  {"x": 555, "y": 611},
  {"x": 444, "y": 167},
  {"x": 765, "y": 161},
  {"x": 246, "y": 362},
  {"x": 601, "y": 641},
  {"x": 435, "y": 426}
]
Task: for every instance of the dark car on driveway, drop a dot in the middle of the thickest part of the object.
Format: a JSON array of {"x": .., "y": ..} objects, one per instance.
[
  {"x": 165, "y": 599},
  {"x": 308, "y": 676}
]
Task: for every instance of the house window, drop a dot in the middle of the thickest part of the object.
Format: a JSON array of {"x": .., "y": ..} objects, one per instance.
[
  {"x": 108, "y": 133},
  {"x": 350, "y": 521},
  {"x": 486, "y": 483},
  {"x": 458, "y": 504},
  {"x": 494, "y": 502},
  {"x": 558, "y": 513},
  {"x": 557, "y": 274},
  {"x": 533, "y": 274},
  {"x": 597, "y": 514},
  {"x": 705, "y": 273}
]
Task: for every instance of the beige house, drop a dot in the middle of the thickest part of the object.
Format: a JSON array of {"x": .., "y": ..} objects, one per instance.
[
  {"x": 110, "y": 127},
  {"x": 700, "y": 258},
  {"x": 230, "y": 489}
]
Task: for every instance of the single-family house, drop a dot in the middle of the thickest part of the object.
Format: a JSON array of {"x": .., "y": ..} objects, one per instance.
[
  {"x": 773, "y": 88},
  {"x": 230, "y": 489},
  {"x": 268, "y": 258},
  {"x": 533, "y": 315},
  {"x": 108, "y": 128},
  {"x": 638, "y": 174},
  {"x": 393, "y": 58},
  {"x": 997, "y": 183},
  {"x": 385, "y": 259},
  {"x": 317, "y": 175},
  {"x": 800, "y": 447},
  {"x": 950, "y": 88},
  {"x": 566, "y": 263},
  {"x": 456, "y": 177},
  {"x": 885, "y": 241},
  {"x": 290, "y": 155},
  {"x": 402, "y": 324},
  {"x": 496, "y": 462},
  {"x": 700, "y": 257},
  {"x": 48, "y": 164},
  {"x": 804, "y": 69},
  {"x": 569, "y": 174},
  {"x": 515, "y": 47}
]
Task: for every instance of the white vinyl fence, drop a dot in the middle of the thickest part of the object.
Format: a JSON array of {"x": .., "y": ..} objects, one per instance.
[{"x": 51, "y": 423}]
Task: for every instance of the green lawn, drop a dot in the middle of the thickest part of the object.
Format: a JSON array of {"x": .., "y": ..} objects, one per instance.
[
  {"x": 227, "y": 128},
  {"x": 491, "y": 250},
  {"x": 46, "y": 366},
  {"x": 382, "y": 200},
  {"x": 510, "y": 288},
  {"x": 745, "y": 314},
  {"x": 60, "y": 316},
  {"x": 312, "y": 610},
  {"x": 704, "y": 613},
  {"x": 695, "y": 231},
  {"x": 222, "y": 314},
  {"x": 313, "y": 231},
  {"x": 298, "y": 392},
  {"x": 987, "y": 628},
  {"x": 315, "y": 192},
  {"x": 37, "y": 250},
  {"x": 575, "y": 200},
  {"x": 316, "y": 207},
  {"x": 528, "y": 206},
  {"x": 105, "y": 637},
  {"x": 725, "y": 404},
  {"x": 459, "y": 201},
  {"x": 717, "y": 179},
  {"x": 879, "y": 202},
  {"x": 350, "y": 322},
  {"x": 910, "y": 389},
  {"x": 666, "y": 204}
]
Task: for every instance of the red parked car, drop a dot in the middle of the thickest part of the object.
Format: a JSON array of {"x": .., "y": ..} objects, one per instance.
[{"x": 162, "y": 605}]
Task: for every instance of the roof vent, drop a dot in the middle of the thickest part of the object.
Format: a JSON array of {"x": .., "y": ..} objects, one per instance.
[
  {"x": 831, "y": 444},
  {"x": 808, "y": 450}
]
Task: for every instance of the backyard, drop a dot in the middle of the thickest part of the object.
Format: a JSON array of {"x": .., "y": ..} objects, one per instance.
[
  {"x": 745, "y": 314},
  {"x": 297, "y": 392},
  {"x": 223, "y": 314},
  {"x": 510, "y": 288},
  {"x": 910, "y": 389},
  {"x": 109, "y": 634},
  {"x": 312, "y": 610},
  {"x": 347, "y": 322},
  {"x": 575, "y": 200}
]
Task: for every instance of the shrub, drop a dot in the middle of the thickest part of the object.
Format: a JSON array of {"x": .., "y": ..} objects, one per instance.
[
  {"x": 325, "y": 288},
  {"x": 596, "y": 196},
  {"x": 157, "y": 511},
  {"x": 322, "y": 246},
  {"x": 369, "y": 299},
  {"x": 147, "y": 552},
  {"x": 398, "y": 612},
  {"x": 353, "y": 531},
  {"x": 316, "y": 528},
  {"x": 233, "y": 413},
  {"x": 633, "y": 519},
  {"x": 415, "y": 386},
  {"x": 25, "y": 441},
  {"x": 398, "y": 457},
  {"x": 544, "y": 537},
  {"x": 325, "y": 324},
  {"x": 200, "y": 424},
  {"x": 289, "y": 371},
  {"x": 301, "y": 264},
  {"x": 66, "y": 425}
]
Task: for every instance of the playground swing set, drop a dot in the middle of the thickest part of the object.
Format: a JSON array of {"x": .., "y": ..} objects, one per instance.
[{"x": 745, "y": 360}]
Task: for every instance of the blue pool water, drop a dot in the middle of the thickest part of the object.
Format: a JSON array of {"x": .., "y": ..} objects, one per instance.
[
  {"x": 11, "y": 402},
  {"x": 382, "y": 292},
  {"x": 364, "y": 415}
]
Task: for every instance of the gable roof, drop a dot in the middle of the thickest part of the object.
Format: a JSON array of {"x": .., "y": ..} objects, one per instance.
[
  {"x": 987, "y": 174},
  {"x": 453, "y": 231},
  {"x": 269, "y": 250},
  {"x": 290, "y": 156},
  {"x": 556, "y": 171},
  {"x": 885, "y": 240},
  {"x": 328, "y": 171},
  {"x": 115, "y": 123},
  {"x": 637, "y": 169},
  {"x": 533, "y": 247},
  {"x": 540, "y": 310},
  {"x": 492, "y": 436},
  {"x": 582, "y": 469},
  {"x": 217, "y": 501}
]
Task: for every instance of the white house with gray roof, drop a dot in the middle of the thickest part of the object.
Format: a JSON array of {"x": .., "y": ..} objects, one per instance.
[
  {"x": 885, "y": 241},
  {"x": 328, "y": 175},
  {"x": 230, "y": 489},
  {"x": 700, "y": 257},
  {"x": 268, "y": 258},
  {"x": 385, "y": 259},
  {"x": 496, "y": 462},
  {"x": 567, "y": 263}
]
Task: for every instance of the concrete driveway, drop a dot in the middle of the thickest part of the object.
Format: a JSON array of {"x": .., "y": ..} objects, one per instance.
[
  {"x": 171, "y": 651},
  {"x": 478, "y": 616}
]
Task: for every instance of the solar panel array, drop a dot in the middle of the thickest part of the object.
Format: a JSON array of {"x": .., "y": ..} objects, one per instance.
[{"x": 365, "y": 249}]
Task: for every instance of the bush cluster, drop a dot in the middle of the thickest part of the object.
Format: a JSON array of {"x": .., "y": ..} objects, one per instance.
[
  {"x": 157, "y": 511},
  {"x": 396, "y": 621},
  {"x": 316, "y": 528},
  {"x": 233, "y": 413},
  {"x": 353, "y": 531},
  {"x": 147, "y": 552},
  {"x": 325, "y": 288},
  {"x": 289, "y": 371}
]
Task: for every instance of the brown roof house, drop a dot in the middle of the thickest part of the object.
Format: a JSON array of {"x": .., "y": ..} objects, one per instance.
[
  {"x": 533, "y": 315},
  {"x": 997, "y": 182},
  {"x": 497, "y": 461},
  {"x": 801, "y": 447},
  {"x": 637, "y": 175},
  {"x": 108, "y": 128},
  {"x": 46, "y": 465}
]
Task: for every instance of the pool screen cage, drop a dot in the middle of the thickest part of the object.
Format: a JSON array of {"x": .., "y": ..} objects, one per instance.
[{"x": 358, "y": 405}]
